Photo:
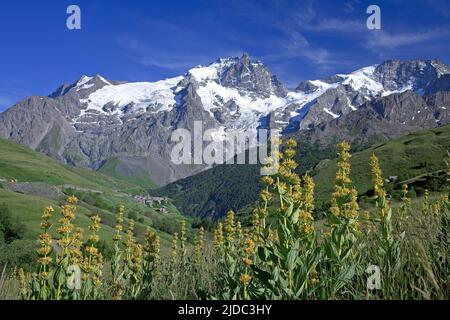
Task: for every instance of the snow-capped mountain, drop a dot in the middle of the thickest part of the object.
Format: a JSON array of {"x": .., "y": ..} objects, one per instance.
[
  {"x": 94, "y": 121},
  {"x": 235, "y": 92},
  {"x": 238, "y": 94},
  {"x": 346, "y": 92}
]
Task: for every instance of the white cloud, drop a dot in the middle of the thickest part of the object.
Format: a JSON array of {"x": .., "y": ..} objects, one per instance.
[
  {"x": 336, "y": 25},
  {"x": 383, "y": 40},
  {"x": 375, "y": 40},
  {"x": 295, "y": 45},
  {"x": 299, "y": 46}
]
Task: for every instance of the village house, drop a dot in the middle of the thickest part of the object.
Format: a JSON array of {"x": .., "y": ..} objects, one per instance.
[{"x": 150, "y": 201}]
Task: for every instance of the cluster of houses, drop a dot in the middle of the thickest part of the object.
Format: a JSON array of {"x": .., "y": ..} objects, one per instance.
[{"x": 150, "y": 201}]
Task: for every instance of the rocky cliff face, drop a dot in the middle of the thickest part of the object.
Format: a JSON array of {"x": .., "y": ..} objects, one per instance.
[
  {"x": 383, "y": 119},
  {"x": 94, "y": 120},
  {"x": 417, "y": 74},
  {"x": 245, "y": 75},
  {"x": 345, "y": 93}
]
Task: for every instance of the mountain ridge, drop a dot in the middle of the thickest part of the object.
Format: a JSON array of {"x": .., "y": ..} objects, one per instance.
[{"x": 93, "y": 120}]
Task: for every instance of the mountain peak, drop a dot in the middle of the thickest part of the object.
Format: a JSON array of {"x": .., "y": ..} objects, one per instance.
[
  {"x": 83, "y": 79},
  {"x": 245, "y": 74},
  {"x": 242, "y": 74},
  {"x": 245, "y": 57},
  {"x": 232, "y": 95},
  {"x": 395, "y": 74},
  {"x": 84, "y": 85}
]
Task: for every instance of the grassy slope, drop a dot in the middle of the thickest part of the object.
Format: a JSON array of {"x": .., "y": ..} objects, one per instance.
[
  {"x": 139, "y": 178},
  {"x": 28, "y": 209},
  {"x": 25, "y": 165},
  {"x": 407, "y": 157},
  {"x": 215, "y": 191}
]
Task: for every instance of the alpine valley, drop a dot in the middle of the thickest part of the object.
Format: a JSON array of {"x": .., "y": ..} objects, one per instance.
[{"x": 124, "y": 129}]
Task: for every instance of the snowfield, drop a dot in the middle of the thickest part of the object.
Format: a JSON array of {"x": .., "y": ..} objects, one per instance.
[
  {"x": 158, "y": 96},
  {"x": 245, "y": 108}
]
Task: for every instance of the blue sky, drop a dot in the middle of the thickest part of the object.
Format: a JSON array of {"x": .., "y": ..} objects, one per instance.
[{"x": 143, "y": 40}]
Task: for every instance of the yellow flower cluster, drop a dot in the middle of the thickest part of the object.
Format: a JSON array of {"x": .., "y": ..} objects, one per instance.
[
  {"x": 247, "y": 260},
  {"x": 94, "y": 228},
  {"x": 66, "y": 226},
  {"x": 405, "y": 198},
  {"x": 119, "y": 224},
  {"x": 344, "y": 201},
  {"x": 183, "y": 239},
  {"x": 76, "y": 256},
  {"x": 152, "y": 245},
  {"x": 45, "y": 248},
  {"x": 267, "y": 181},
  {"x": 183, "y": 236},
  {"x": 199, "y": 243},
  {"x": 93, "y": 261},
  {"x": 239, "y": 231},
  {"x": 129, "y": 243},
  {"x": 46, "y": 216},
  {"x": 23, "y": 286},
  {"x": 377, "y": 177},
  {"x": 256, "y": 223},
  {"x": 249, "y": 246},
  {"x": 174, "y": 249},
  {"x": 72, "y": 200},
  {"x": 218, "y": 236},
  {"x": 229, "y": 228},
  {"x": 152, "y": 248},
  {"x": 136, "y": 258},
  {"x": 45, "y": 242},
  {"x": 305, "y": 221},
  {"x": 380, "y": 193},
  {"x": 300, "y": 193},
  {"x": 245, "y": 279}
]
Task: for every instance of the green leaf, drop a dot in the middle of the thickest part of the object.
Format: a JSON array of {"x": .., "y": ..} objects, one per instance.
[
  {"x": 288, "y": 212},
  {"x": 295, "y": 215},
  {"x": 292, "y": 256},
  {"x": 263, "y": 254},
  {"x": 276, "y": 273},
  {"x": 262, "y": 275},
  {"x": 344, "y": 277}
]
